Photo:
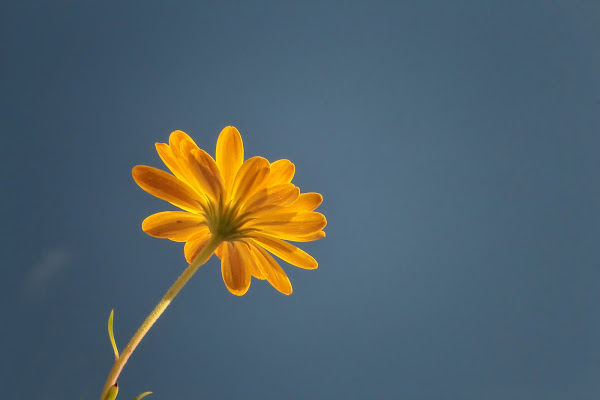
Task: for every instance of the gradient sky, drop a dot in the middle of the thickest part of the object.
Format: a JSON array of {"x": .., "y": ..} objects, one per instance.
[{"x": 455, "y": 144}]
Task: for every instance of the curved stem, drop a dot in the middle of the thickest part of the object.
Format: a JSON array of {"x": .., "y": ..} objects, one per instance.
[{"x": 120, "y": 362}]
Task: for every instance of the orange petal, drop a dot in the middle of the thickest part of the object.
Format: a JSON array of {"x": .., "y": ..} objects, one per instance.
[
  {"x": 249, "y": 178},
  {"x": 289, "y": 226},
  {"x": 304, "y": 202},
  {"x": 244, "y": 250},
  {"x": 166, "y": 155},
  {"x": 195, "y": 245},
  {"x": 184, "y": 156},
  {"x": 272, "y": 197},
  {"x": 308, "y": 238},
  {"x": 271, "y": 269},
  {"x": 236, "y": 274},
  {"x": 219, "y": 251},
  {"x": 205, "y": 173},
  {"x": 178, "y": 226},
  {"x": 175, "y": 141},
  {"x": 282, "y": 171},
  {"x": 167, "y": 187},
  {"x": 229, "y": 155},
  {"x": 287, "y": 252},
  {"x": 307, "y": 202}
]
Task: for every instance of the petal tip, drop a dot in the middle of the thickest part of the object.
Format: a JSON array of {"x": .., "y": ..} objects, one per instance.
[
  {"x": 137, "y": 171},
  {"x": 238, "y": 292}
]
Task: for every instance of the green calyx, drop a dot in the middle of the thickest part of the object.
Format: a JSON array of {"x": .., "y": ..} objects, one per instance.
[{"x": 225, "y": 221}]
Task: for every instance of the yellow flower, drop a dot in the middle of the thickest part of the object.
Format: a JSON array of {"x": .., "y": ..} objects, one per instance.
[{"x": 251, "y": 206}]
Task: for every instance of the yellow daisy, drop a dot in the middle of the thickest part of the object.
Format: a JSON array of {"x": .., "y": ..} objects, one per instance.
[{"x": 248, "y": 208}]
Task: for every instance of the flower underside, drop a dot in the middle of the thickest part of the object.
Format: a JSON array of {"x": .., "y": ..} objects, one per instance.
[
  {"x": 251, "y": 206},
  {"x": 226, "y": 221}
]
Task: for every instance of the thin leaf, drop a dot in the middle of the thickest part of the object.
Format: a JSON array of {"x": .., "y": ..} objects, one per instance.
[
  {"x": 142, "y": 395},
  {"x": 110, "y": 333}
]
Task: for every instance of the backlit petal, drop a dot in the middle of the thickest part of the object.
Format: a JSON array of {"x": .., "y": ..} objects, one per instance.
[
  {"x": 308, "y": 238},
  {"x": 287, "y": 252},
  {"x": 249, "y": 178},
  {"x": 244, "y": 250},
  {"x": 282, "y": 171},
  {"x": 272, "y": 197},
  {"x": 167, "y": 187},
  {"x": 205, "y": 173},
  {"x": 236, "y": 274},
  {"x": 184, "y": 158},
  {"x": 229, "y": 155},
  {"x": 178, "y": 226},
  {"x": 306, "y": 202},
  {"x": 271, "y": 269},
  {"x": 166, "y": 155},
  {"x": 219, "y": 250},
  {"x": 195, "y": 244},
  {"x": 176, "y": 139},
  {"x": 289, "y": 226}
]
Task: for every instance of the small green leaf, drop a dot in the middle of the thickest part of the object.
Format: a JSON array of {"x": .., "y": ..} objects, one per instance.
[
  {"x": 110, "y": 333},
  {"x": 112, "y": 392},
  {"x": 142, "y": 395}
]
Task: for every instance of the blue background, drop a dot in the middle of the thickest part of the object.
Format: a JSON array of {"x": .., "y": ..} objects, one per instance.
[{"x": 455, "y": 144}]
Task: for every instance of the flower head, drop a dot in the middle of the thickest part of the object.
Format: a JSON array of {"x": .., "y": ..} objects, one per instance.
[{"x": 250, "y": 206}]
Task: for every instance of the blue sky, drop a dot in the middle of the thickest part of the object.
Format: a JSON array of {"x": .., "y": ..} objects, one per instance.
[{"x": 455, "y": 144}]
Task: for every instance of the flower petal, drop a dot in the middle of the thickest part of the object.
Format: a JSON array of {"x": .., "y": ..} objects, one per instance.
[
  {"x": 167, "y": 187},
  {"x": 282, "y": 171},
  {"x": 167, "y": 156},
  {"x": 178, "y": 226},
  {"x": 195, "y": 244},
  {"x": 236, "y": 274},
  {"x": 229, "y": 155},
  {"x": 308, "y": 238},
  {"x": 271, "y": 269},
  {"x": 184, "y": 156},
  {"x": 176, "y": 139},
  {"x": 306, "y": 202},
  {"x": 205, "y": 173},
  {"x": 244, "y": 250},
  {"x": 272, "y": 197},
  {"x": 249, "y": 178},
  {"x": 287, "y": 252},
  {"x": 290, "y": 226},
  {"x": 219, "y": 251}
]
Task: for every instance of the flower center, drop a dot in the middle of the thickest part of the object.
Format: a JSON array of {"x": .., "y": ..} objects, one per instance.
[{"x": 225, "y": 220}]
